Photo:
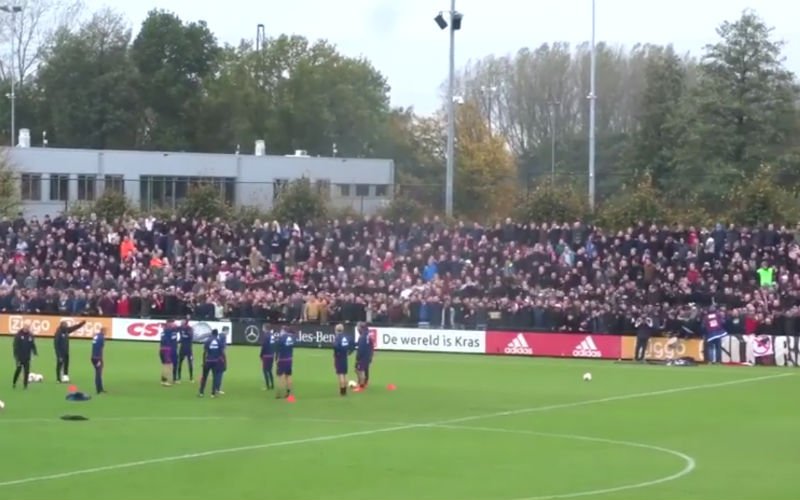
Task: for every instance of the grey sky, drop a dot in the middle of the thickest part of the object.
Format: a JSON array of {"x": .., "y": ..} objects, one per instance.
[{"x": 403, "y": 42}]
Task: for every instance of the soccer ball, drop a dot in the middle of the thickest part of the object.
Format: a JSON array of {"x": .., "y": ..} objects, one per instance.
[
  {"x": 2, "y": 405},
  {"x": 587, "y": 377},
  {"x": 352, "y": 384},
  {"x": 65, "y": 378},
  {"x": 39, "y": 377},
  {"x": 31, "y": 377}
]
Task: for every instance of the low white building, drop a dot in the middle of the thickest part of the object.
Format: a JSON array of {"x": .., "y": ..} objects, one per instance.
[{"x": 53, "y": 179}]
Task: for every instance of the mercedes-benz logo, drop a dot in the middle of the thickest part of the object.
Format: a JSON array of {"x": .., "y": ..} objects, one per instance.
[{"x": 252, "y": 334}]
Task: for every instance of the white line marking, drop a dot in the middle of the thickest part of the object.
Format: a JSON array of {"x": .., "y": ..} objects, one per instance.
[
  {"x": 623, "y": 397},
  {"x": 690, "y": 463},
  {"x": 333, "y": 437},
  {"x": 121, "y": 419}
]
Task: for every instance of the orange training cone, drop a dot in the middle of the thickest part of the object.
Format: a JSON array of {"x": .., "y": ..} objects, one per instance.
[
  {"x": 73, "y": 388},
  {"x": 391, "y": 387},
  {"x": 290, "y": 398}
]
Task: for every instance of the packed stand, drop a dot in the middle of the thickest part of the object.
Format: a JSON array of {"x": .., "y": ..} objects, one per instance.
[{"x": 549, "y": 277}]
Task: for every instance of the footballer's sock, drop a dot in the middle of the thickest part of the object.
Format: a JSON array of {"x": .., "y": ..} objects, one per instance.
[{"x": 343, "y": 390}]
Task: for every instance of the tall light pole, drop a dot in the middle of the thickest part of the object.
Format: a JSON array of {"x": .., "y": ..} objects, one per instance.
[
  {"x": 455, "y": 24},
  {"x": 592, "y": 99},
  {"x": 260, "y": 37},
  {"x": 13, "y": 10},
  {"x": 553, "y": 109}
]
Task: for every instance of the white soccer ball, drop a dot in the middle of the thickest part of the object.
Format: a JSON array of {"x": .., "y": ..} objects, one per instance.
[
  {"x": 39, "y": 377},
  {"x": 31, "y": 377},
  {"x": 65, "y": 378},
  {"x": 352, "y": 384},
  {"x": 2, "y": 405},
  {"x": 587, "y": 377}
]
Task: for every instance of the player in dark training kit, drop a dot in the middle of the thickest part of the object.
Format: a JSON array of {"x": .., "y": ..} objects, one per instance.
[
  {"x": 342, "y": 348},
  {"x": 24, "y": 348},
  {"x": 166, "y": 354},
  {"x": 61, "y": 345},
  {"x": 285, "y": 351},
  {"x": 175, "y": 337},
  {"x": 98, "y": 346},
  {"x": 364, "y": 350},
  {"x": 223, "y": 338},
  {"x": 185, "y": 354},
  {"x": 269, "y": 339},
  {"x": 213, "y": 351}
]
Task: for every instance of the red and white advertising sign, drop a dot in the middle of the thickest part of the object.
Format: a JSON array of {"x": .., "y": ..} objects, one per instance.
[
  {"x": 149, "y": 330},
  {"x": 561, "y": 345}
]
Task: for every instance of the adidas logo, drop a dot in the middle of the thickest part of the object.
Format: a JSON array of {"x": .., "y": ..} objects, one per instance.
[
  {"x": 587, "y": 349},
  {"x": 518, "y": 346}
]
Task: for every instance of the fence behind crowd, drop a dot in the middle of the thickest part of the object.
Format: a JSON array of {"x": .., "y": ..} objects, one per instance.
[{"x": 774, "y": 350}]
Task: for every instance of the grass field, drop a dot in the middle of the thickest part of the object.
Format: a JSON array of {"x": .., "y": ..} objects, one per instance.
[{"x": 457, "y": 428}]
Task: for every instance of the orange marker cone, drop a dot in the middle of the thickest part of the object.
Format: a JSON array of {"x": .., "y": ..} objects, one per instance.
[
  {"x": 72, "y": 388},
  {"x": 290, "y": 398},
  {"x": 391, "y": 387}
]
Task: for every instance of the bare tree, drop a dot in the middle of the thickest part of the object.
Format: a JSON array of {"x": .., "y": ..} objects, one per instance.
[{"x": 31, "y": 29}]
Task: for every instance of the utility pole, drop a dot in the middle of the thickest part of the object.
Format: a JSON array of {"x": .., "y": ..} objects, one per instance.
[{"x": 13, "y": 10}]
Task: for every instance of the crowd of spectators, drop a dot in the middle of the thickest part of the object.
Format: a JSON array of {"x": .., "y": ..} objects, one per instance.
[{"x": 537, "y": 276}]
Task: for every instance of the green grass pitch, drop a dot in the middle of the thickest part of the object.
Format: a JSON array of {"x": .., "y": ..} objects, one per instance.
[{"x": 456, "y": 428}]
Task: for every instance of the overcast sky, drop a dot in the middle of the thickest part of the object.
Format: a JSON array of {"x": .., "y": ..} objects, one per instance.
[{"x": 403, "y": 42}]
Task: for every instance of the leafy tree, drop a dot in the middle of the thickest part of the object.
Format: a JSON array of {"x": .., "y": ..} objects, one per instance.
[
  {"x": 653, "y": 143},
  {"x": 760, "y": 200},
  {"x": 9, "y": 183},
  {"x": 552, "y": 201},
  {"x": 416, "y": 144},
  {"x": 112, "y": 205},
  {"x": 204, "y": 200},
  {"x": 403, "y": 207},
  {"x": 299, "y": 202},
  {"x": 639, "y": 201},
  {"x": 175, "y": 60},
  {"x": 109, "y": 206},
  {"x": 296, "y": 94},
  {"x": 89, "y": 86},
  {"x": 742, "y": 111},
  {"x": 484, "y": 168}
]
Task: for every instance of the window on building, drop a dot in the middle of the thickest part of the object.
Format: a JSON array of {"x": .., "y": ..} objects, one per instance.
[
  {"x": 163, "y": 191},
  {"x": 230, "y": 190},
  {"x": 279, "y": 187},
  {"x": 59, "y": 187},
  {"x": 30, "y": 187},
  {"x": 362, "y": 189},
  {"x": 115, "y": 184},
  {"x": 157, "y": 192},
  {"x": 181, "y": 188},
  {"x": 86, "y": 187},
  {"x": 381, "y": 190},
  {"x": 323, "y": 187},
  {"x": 168, "y": 192},
  {"x": 344, "y": 190}
]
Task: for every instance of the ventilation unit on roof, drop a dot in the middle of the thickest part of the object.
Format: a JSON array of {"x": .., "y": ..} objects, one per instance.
[
  {"x": 261, "y": 148},
  {"x": 24, "y": 138},
  {"x": 299, "y": 153}
]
